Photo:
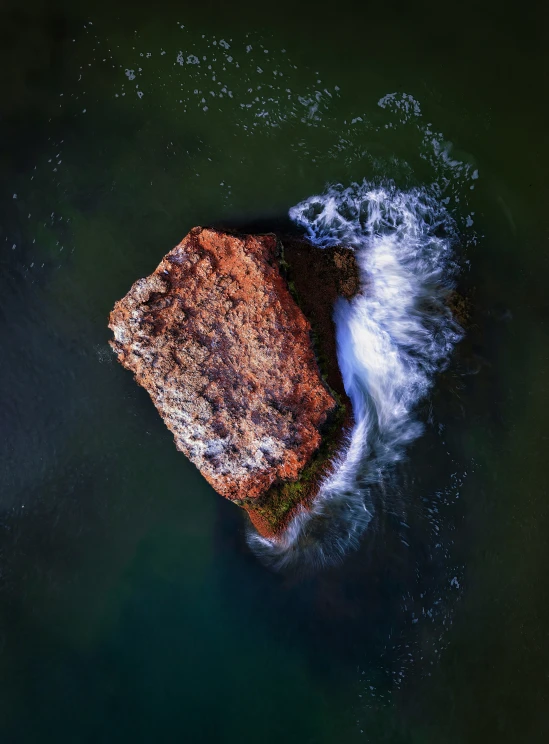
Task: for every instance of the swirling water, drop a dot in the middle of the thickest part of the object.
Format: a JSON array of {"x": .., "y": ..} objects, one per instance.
[{"x": 392, "y": 338}]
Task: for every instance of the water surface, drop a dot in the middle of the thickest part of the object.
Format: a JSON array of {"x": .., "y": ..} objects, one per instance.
[{"x": 132, "y": 608}]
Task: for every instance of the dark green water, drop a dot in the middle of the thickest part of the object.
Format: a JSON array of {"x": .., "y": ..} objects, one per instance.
[{"x": 131, "y": 608}]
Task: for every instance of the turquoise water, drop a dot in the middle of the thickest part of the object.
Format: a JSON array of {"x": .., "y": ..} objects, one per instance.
[{"x": 131, "y": 607}]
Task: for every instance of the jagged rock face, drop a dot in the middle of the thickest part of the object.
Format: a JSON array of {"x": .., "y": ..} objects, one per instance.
[
  {"x": 320, "y": 277},
  {"x": 224, "y": 351}
]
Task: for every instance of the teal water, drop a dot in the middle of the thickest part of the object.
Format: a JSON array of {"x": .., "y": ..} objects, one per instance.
[{"x": 131, "y": 607}]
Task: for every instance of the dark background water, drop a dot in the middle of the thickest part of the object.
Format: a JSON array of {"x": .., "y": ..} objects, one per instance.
[{"x": 131, "y": 608}]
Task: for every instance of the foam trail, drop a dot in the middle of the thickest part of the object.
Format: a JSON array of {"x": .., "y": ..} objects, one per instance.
[{"x": 392, "y": 338}]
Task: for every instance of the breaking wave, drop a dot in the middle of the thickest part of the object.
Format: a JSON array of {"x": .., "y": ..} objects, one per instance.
[{"x": 392, "y": 338}]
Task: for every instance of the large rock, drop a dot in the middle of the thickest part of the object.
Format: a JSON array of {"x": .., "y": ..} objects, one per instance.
[
  {"x": 216, "y": 338},
  {"x": 317, "y": 277}
]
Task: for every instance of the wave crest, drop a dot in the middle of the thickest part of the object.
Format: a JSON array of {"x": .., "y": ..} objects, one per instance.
[{"x": 392, "y": 338}]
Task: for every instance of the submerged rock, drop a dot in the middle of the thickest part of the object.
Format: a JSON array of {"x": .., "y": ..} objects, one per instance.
[{"x": 225, "y": 352}]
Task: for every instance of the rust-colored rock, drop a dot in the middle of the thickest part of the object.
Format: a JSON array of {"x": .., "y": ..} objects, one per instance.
[
  {"x": 318, "y": 277},
  {"x": 216, "y": 338}
]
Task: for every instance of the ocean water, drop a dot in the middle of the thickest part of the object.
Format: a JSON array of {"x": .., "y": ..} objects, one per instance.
[
  {"x": 392, "y": 339},
  {"x": 133, "y": 607}
]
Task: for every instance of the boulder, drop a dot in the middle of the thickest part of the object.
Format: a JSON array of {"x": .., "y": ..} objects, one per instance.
[{"x": 217, "y": 339}]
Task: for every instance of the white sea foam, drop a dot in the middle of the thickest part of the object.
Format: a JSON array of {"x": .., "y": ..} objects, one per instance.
[{"x": 392, "y": 338}]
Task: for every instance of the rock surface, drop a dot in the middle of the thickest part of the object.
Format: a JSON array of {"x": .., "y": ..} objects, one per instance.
[
  {"x": 216, "y": 338},
  {"x": 317, "y": 278}
]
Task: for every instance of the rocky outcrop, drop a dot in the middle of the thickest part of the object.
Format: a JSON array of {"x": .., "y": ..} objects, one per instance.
[
  {"x": 219, "y": 342},
  {"x": 316, "y": 278}
]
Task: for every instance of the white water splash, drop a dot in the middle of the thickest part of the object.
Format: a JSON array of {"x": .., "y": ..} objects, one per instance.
[{"x": 392, "y": 338}]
